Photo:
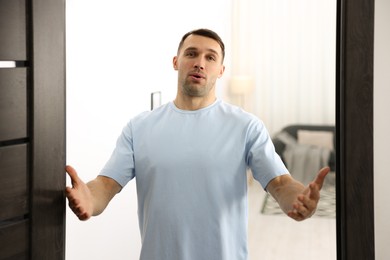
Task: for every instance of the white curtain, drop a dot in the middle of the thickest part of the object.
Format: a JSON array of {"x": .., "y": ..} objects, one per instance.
[{"x": 288, "y": 49}]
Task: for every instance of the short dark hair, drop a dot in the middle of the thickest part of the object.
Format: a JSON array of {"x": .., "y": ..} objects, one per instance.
[{"x": 206, "y": 33}]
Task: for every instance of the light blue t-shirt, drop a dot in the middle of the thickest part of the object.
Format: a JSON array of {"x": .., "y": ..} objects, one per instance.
[{"x": 190, "y": 169}]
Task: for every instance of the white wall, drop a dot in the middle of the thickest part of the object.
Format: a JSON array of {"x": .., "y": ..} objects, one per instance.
[
  {"x": 382, "y": 128},
  {"x": 118, "y": 52}
]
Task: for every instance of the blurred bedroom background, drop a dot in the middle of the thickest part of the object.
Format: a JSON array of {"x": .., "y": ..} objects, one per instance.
[{"x": 280, "y": 65}]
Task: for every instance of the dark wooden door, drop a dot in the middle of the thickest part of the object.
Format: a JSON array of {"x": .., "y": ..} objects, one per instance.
[{"x": 32, "y": 129}]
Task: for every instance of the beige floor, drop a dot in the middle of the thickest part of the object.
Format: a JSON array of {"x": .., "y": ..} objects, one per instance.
[{"x": 279, "y": 237}]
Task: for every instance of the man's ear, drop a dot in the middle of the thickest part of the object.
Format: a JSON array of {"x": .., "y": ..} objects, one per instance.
[
  {"x": 175, "y": 63},
  {"x": 221, "y": 71}
]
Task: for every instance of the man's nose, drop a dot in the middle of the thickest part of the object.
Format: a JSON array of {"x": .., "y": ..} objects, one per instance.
[
  {"x": 199, "y": 64},
  {"x": 199, "y": 67}
]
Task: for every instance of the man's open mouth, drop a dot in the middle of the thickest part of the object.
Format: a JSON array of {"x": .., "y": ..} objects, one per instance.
[{"x": 197, "y": 75}]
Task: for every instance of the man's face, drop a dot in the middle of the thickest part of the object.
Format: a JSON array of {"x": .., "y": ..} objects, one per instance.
[{"x": 199, "y": 65}]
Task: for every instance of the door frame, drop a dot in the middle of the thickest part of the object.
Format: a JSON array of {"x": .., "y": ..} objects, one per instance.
[
  {"x": 46, "y": 48},
  {"x": 354, "y": 124}
]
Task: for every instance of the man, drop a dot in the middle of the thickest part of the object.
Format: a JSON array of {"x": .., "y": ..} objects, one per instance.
[{"x": 189, "y": 158}]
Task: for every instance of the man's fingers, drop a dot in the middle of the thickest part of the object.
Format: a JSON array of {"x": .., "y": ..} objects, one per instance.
[
  {"x": 294, "y": 214},
  {"x": 72, "y": 174},
  {"x": 314, "y": 191},
  {"x": 68, "y": 190},
  {"x": 319, "y": 180},
  {"x": 302, "y": 209},
  {"x": 309, "y": 203}
]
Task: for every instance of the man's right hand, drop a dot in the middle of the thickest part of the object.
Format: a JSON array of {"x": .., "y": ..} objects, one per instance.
[{"x": 79, "y": 196}]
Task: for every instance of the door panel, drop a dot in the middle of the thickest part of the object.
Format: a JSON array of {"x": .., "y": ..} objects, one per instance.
[
  {"x": 13, "y": 30},
  {"x": 13, "y": 103},
  {"x": 14, "y": 240},
  {"x": 13, "y": 179}
]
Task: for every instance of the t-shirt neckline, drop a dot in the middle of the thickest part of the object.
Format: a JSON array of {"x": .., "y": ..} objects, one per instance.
[{"x": 172, "y": 104}]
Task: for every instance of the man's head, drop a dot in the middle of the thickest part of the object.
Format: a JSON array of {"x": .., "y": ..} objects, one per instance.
[
  {"x": 206, "y": 33},
  {"x": 199, "y": 63}
]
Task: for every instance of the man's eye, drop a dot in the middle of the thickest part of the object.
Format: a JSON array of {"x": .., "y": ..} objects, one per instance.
[
  {"x": 190, "y": 54},
  {"x": 212, "y": 58}
]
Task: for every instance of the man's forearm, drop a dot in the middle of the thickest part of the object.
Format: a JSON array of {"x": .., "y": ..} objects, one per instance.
[{"x": 102, "y": 190}]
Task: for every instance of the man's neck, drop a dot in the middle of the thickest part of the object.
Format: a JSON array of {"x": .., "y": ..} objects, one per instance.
[{"x": 193, "y": 103}]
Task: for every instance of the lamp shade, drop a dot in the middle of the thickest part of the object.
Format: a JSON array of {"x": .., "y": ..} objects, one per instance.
[{"x": 241, "y": 85}]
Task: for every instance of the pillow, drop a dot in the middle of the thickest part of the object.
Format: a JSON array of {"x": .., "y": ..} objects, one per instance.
[{"x": 316, "y": 138}]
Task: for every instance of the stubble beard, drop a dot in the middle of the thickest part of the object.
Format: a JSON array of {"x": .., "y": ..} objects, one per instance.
[{"x": 196, "y": 90}]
